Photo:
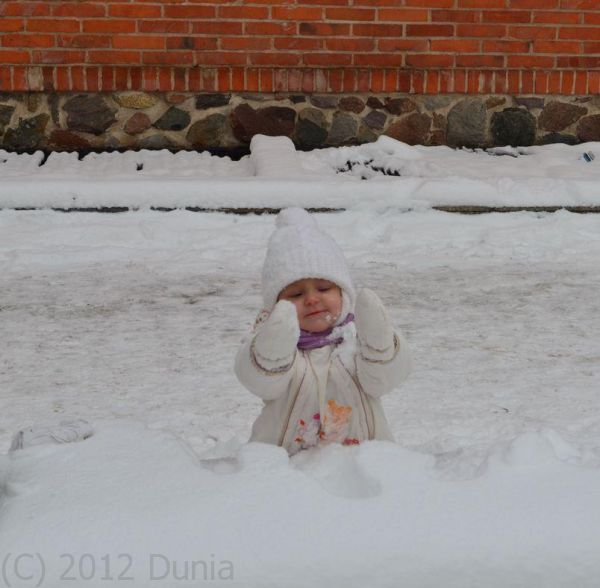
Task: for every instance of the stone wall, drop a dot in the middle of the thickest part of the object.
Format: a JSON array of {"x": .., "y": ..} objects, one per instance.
[{"x": 226, "y": 122}]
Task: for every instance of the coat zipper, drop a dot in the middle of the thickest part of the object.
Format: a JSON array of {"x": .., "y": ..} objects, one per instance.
[{"x": 289, "y": 416}]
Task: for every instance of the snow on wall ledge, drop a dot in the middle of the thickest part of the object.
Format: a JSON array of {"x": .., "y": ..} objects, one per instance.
[{"x": 386, "y": 173}]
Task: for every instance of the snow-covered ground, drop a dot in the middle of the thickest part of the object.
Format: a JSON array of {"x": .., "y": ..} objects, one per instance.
[
  {"x": 384, "y": 173},
  {"x": 131, "y": 321}
]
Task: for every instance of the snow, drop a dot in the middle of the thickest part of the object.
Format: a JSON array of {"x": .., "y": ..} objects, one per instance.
[
  {"x": 131, "y": 322},
  {"x": 386, "y": 173}
]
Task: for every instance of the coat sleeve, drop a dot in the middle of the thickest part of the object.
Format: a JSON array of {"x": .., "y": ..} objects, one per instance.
[
  {"x": 380, "y": 373},
  {"x": 266, "y": 383}
]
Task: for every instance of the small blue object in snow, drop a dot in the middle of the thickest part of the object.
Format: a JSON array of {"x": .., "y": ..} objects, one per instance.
[{"x": 587, "y": 156}]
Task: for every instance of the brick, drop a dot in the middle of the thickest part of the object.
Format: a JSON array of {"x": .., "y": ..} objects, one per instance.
[
  {"x": 14, "y": 56},
  {"x": 79, "y": 10},
  {"x": 377, "y": 30},
  {"x": 92, "y": 79},
  {"x": 446, "y": 85},
  {"x": 114, "y": 57},
  {"x": 164, "y": 26},
  {"x": 404, "y": 81},
  {"x": 505, "y": 46},
  {"x": 380, "y": 60},
  {"x": 454, "y": 16},
  {"x": 321, "y": 81},
  {"x": 460, "y": 81},
  {"x": 333, "y": 59},
  {"x": 271, "y": 28},
  {"x": 24, "y": 9},
  {"x": 188, "y": 11},
  {"x": 487, "y": 4},
  {"x": 280, "y": 80},
  {"x": 275, "y": 58},
  {"x": 456, "y": 45},
  {"x": 580, "y": 33},
  {"x": 532, "y": 33},
  {"x": 168, "y": 57},
  {"x": 528, "y": 61},
  {"x": 581, "y": 83},
  {"x": 21, "y": 40},
  {"x": 500, "y": 82},
  {"x": 499, "y": 16},
  {"x": 349, "y": 44},
  {"x": 218, "y": 27},
  {"x": 356, "y": 14},
  {"x": 299, "y": 43},
  {"x": 579, "y": 62},
  {"x": 165, "y": 79},
  {"x": 430, "y": 3},
  {"x": 591, "y": 47},
  {"x": 149, "y": 79},
  {"x": 49, "y": 25},
  {"x": 293, "y": 13},
  {"x": 556, "y": 47},
  {"x": 594, "y": 82},
  {"x": 19, "y": 79},
  {"x": 418, "y": 82},
  {"x": 295, "y": 80},
  {"x": 475, "y": 30},
  {"x": 121, "y": 78},
  {"x": 220, "y": 57},
  {"x": 429, "y": 30},
  {"x": 83, "y": 41},
  {"x": 568, "y": 79},
  {"x": 63, "y": 79},
  {"x": 390, "y": 82},
  {"x": 253, "y": 80},
  {"x": 266, "y": 80},
  {"x": 322, "y": 29},
  {"x": 377, "y": 80},
  {"x": 580, "y": 4},
  {"x": 402, "y": 15},
  {"x": 5, "y": 78},
  {"x": 480, "y": 61},
  {"x": 336, "y": 79},
  {"x": 195, "y": 43},
  {"x": 108, "y": 26},
  {"x": 134, "y": 10},
  {"x": 58, "y": 56},
  {"x": 245, "y": 43},
  {"x": 349, "y": 81},
  {"x": 431, "y": 60},
  {"x": 245, "y": 12},
  {"x": 107, "y": 78},
  {"x": 531, "y": 4},
  {"x": 194, "y": 83},
  {"x": 138, "y": 42},
  {"x": 78, "y": 83},
  {"x": 308, "y": 81},
  {"x": 554, "y": 78},
  {"x": 180, "y": 79},
  {"x": 590, "y": 18},
  {"x": 540, "y": 85},
  {"x": 432, "y": 83},
  {"x": 557, "y": 17},
  {"x": 403, "y": 44},
  {"x": 209, "y": 79}
]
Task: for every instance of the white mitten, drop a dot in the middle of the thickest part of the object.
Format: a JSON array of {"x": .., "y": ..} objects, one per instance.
[
  {"x": 275, "y": 343},
  {"x": 373, "y": 327}
]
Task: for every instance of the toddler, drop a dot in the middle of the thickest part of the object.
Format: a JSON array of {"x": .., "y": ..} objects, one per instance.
[{"x": 319, "y": 356}]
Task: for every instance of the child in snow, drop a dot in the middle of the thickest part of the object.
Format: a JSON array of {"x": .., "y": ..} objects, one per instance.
[{"x": 319, "y": 356}]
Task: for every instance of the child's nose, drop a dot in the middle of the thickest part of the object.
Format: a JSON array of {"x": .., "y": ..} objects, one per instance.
[{"x": 311, "y": 298}]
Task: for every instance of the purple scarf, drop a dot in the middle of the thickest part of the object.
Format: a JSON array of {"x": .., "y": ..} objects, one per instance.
[{"x": 310, "y": 340}]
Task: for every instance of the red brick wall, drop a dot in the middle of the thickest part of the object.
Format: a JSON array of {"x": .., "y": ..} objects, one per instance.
[{"x": 418, "y": 46}]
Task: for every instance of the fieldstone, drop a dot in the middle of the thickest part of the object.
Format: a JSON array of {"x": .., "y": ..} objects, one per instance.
[
  {"x": 557, "y": 116},
  {"x": 63, "y": 140},
  {"x": 399, "y": 105},
  {"x": 33, "y": 102},
  {"x": 513, "y": 126},
  {"x": 111, "y": 142},
  {"x": 5, "y": 116},
  {"x": 558, "y": 138},
  {"x": 29, "y": 134},
  {"x": 137, "y": 100},
  {"x": 494, "y": 101},
  {"x": 53, "y": 103},
  {"x": 439, "y": 121},
  {"x": 366, "y": 135},
  {"x": 466, "y": 124},
  {"x": 375, "y": 119},
  {"x": 255, "y": 97},
  {"x": 351, "y": 104},
  {"x": 412, "y": 129},
  {"x": 156, "y": 142},
  {"x": 436, "y": 102},
  {"x": 324, "y": 101},
  {"x": 208, "y": 131},
  {"x": 311, "y": 129},
  {"x": 343, "y": 129},
  {"x": 89, "y": 114},
  {"x": 204, "y": 101},
  {"x": 176, "y": 98},
  {"x": 174, "y": 119},
  {"x": 438, "y": 137},
  {"x": 297, "y": 99},
  {"x": 138, "y": 123},
  {"x": 530, "y": 102},
  {"x": 374, "y": 103},
  {"x": 588, "y": 128},
  {"x": 272, "y": 120}
]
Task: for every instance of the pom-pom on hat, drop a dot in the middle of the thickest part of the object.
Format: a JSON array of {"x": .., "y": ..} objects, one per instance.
[{"x": 299, "y": 249}]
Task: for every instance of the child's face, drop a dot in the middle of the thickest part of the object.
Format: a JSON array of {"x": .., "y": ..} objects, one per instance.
[{"x": 318, "y": 303}]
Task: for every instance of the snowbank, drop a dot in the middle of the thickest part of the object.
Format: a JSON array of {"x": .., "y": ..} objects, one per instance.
[{"x": 141, "y": 503}]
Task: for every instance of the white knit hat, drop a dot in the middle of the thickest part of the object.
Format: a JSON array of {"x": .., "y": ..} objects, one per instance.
[{"x": 298, "y": 249}]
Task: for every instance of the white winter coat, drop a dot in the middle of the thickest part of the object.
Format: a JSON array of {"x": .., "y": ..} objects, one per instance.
[{"x": 318, "y": 380}]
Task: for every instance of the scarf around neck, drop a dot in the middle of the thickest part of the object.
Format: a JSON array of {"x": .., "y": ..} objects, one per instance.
[{"x": 310, "y": 340}]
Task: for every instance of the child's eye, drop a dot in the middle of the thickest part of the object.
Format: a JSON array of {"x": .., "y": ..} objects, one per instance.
[
  {"x": 324, "y": 288},
  {"x": 295, "y": 294}
]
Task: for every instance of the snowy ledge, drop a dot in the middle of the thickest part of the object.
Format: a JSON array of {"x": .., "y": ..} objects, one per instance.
[{"x": 383, "y": 174}]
